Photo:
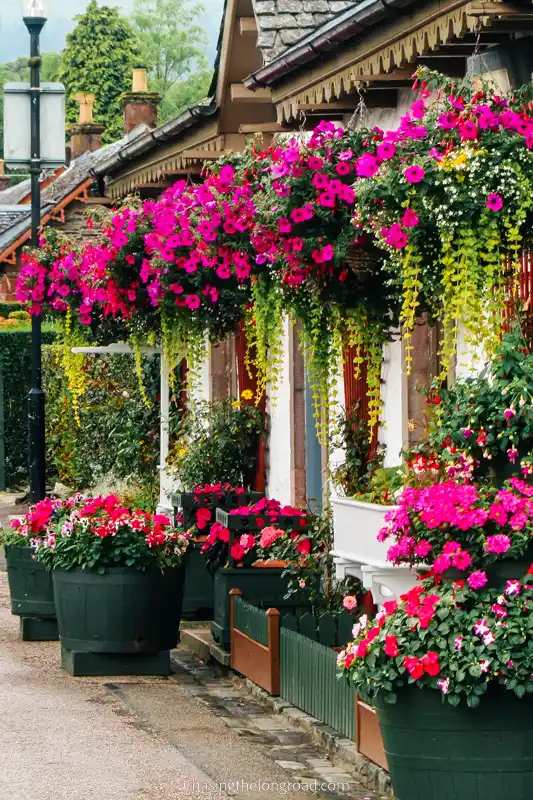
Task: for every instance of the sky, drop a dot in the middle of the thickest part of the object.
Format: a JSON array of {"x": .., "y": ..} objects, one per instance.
[{"x": 14, "y": 37}]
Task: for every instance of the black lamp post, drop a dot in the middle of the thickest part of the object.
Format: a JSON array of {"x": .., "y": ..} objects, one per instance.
[{"x": 34, "y": 15}]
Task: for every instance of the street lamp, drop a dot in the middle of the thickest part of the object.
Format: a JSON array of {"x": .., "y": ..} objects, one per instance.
[{"x": 34, "y": 16}]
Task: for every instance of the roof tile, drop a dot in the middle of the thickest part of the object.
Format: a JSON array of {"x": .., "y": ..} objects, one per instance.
[{"x": 293, "y": 19}]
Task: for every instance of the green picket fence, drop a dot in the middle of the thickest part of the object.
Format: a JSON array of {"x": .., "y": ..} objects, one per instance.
[
  {"x": 251, "y": 620},
  {"x": 331, "y": 630},
  {"x": 309, "y": 681}
]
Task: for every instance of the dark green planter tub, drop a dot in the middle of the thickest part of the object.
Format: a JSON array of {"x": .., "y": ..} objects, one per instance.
[
  {"x": 32, "y": 594},
  {"x": 123, "y": 622},
  {"x": 261, "y": 586},
  {"x": 439, "y": 752}
]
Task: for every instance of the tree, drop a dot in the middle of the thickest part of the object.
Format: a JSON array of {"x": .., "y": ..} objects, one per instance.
[
  {"x": 173, "y": 47},
  {"x": 98, "y": 58}
]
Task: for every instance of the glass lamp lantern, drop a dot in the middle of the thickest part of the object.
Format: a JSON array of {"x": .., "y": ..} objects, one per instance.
[{"x": 34, "y": 8}]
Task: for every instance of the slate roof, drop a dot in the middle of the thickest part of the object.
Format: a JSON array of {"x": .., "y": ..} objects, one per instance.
[
  {"x": 11, "y": 215},
  {"x": 282, "y": 23}
]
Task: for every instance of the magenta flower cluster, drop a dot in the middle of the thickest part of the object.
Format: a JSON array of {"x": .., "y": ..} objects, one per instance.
[{"x": 460, "y": 526}]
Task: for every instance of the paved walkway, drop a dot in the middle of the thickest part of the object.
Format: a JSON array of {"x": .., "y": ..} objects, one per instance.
[{"x": 64, "y": 738}]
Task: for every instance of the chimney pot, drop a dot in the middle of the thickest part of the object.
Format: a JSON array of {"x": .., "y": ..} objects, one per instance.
[
  {"x": 140, "y": 81},
  {"x": 86, "y": 103}
]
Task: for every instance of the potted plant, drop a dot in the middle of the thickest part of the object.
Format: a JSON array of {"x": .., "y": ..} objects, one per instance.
[
  {"x": 30, "y": 584},
  {"x": 214, "y": 455},
  {"x": 462, "y": 637},
  {"x": 195, "y": 512},
  {"x": 118, "y": 584},
  {"x": 244, "y": 551}
]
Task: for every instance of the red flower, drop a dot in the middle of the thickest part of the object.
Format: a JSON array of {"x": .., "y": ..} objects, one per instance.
[
  {"x": 304, "y": 547},
  {"x": 237, "y": 551},
  {"x": 362, "y": 648},
  {"x": 414, "y": 667},
  {"x": 391, "y": 646},
  {"x": 390, "y": 607},
  {"x": 431, "y": 664}
]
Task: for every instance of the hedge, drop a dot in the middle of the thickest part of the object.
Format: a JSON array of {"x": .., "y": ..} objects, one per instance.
[{"x": 15, "y": 358}]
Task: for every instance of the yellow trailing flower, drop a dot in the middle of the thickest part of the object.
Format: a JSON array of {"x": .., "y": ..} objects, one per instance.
[{"x": 247, "y": 394}]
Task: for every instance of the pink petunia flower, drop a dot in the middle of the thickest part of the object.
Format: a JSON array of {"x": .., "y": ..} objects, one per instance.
[
  {"x": 495, "y": 203},
  {"x": 410, "y": 219},
  {"x": 414, "y": 174}
]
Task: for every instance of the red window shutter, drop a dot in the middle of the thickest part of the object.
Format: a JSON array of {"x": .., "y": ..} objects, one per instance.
[{"x": 356, "y": 391}]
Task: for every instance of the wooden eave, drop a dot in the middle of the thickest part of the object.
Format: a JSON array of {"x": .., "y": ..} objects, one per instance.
[
  {"x": 55, "y": 213},
  {"x": 392, "y": 46}
]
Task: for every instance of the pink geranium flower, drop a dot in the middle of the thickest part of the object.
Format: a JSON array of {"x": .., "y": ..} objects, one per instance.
[{"x": 477, "y": 580}]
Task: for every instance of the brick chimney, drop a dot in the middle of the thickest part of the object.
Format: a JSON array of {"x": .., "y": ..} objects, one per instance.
[
  {"x": 140, "y": 105},
  {"x": 85, "y": 135}
]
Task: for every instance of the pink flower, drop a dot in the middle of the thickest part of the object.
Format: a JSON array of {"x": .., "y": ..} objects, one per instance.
[
  {"x": 414, "y": 174},
  {"x": 349, "y": 602},
  {"x": 269, "y": 536},
  {"x": 247, "y": 540},
  {"x": 367, "y": 166},
  {"x": 484, "y": 665},
  {"x": 462, "y": 560},
  {"x": 423, "y": 548},
  {"x": 410, "y": 219},
  {"x": 481, "y": 628},
  {"x": 458, "y": 643},
  {"x": 447, "y": 121},
  {"x": 495, "y": 203},
  {"x": 468, "y": 130},
  {"x": 513, "y": 587},
  {"x": 386, "y": 150},
  {"x": 497, "y": 544},
  {"x": 192, "y": 301},
  {"x": 489, "y": 638},
  {"x": 418, "y": 109},
  {"x": 441, "y": 564},
  {"x": 498, "y": 513},
  {"x": 477, "y": 580},
  {"x": 499, "y": 610},
  {"x": 444, "y": 685}
]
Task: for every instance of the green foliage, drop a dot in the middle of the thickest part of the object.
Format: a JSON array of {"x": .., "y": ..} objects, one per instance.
[
  {"x": 101, "y": 533},
  {"x": 352, "y": 434},
  {"x": 98, "y": 58},
  {"x": 15, "y": 359},
  {"x": 217, "y": 443},
  {"x": 487, "y": 421},
  {"x": 450, "y": 654},
  {"x": 172, "y": 46},
  {"x": 118, "y": 435}
]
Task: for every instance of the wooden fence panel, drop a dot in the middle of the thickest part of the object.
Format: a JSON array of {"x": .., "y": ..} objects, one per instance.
[
  {"x": 309, "y": 681},
  {"x": 255, "y": 643}
]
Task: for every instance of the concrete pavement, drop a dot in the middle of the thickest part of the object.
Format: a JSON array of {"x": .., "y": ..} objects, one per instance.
[{"x": 64, "y": 738}]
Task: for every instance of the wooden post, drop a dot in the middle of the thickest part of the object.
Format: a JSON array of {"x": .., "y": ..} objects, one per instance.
[
  {"x": 232, "y": 595},
  {"x": 273, "y": 649}
]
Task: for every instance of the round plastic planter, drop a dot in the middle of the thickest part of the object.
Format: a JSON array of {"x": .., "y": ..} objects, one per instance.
[
  {"x": 436, "y": 751},
  {"x": 32, "y": 594},
  {"x": 121, "y": 622}
]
